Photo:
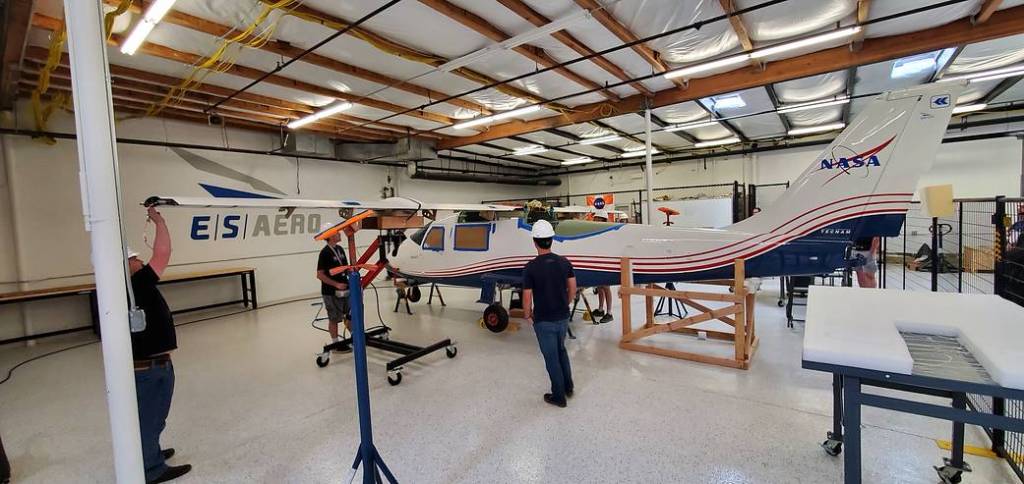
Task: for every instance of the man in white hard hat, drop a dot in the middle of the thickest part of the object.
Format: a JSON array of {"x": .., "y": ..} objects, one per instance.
[
  {"x": 548, "y": 285},
  {"x": 151, "y": 350},
  {"x": 603, "y": 313}
]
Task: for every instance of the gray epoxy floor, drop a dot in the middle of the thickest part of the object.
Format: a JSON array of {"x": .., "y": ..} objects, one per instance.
[{"x": 251, "y": 406}]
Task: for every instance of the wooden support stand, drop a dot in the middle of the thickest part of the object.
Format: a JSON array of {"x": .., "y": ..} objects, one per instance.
[{"x": 739, "y": 315}]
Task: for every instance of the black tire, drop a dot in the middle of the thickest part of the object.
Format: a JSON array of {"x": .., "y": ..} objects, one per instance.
[
  {"x": 322, "y": 360},
  {"x": 451, "y": 351},
  {"x": 396, "y": 380},
  {"x": 414, "y": 294},
  {"x": 496, "y": 318}
]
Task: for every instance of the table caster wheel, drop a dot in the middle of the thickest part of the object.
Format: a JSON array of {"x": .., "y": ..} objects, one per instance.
[
  {"x": 949, "y": 474},
  {"x": 451, "y": 351},
  {"x": 832, "y": 446},
  {"x": 322, "y": 360},
  {"x": 396, "y": 379},
  {"x": 781, "y": 303}
]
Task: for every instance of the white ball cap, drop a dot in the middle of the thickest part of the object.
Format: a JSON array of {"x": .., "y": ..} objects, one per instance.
[
  {"x": 131, "y": 252},
  {"x": 601, "y": 213},
  {"x": 542, "y": 229}
]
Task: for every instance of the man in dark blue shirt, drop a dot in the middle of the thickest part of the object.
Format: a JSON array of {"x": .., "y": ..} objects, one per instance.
[{"x": 548, "y": 285}]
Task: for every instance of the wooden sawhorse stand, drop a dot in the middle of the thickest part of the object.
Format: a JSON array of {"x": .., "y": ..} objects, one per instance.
[{"x": 739, "y": 315}]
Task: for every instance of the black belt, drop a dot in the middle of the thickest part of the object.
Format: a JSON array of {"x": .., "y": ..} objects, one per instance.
[{"x": 148, "y": 363}]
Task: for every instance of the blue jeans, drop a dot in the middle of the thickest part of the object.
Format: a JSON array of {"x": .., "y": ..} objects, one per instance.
[
  {"x": 551, "y": 338},
  {"x": 154, "y": 388}
]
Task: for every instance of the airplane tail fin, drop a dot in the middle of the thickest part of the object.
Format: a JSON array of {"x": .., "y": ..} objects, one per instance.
[{"x": 861, "y": 185}]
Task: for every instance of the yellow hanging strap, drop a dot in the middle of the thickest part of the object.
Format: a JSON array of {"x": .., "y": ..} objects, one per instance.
[
  {"x": 41, "y": 113},
  {"x": 108, "y": 19},
  {"x": 221, "y": 60}
]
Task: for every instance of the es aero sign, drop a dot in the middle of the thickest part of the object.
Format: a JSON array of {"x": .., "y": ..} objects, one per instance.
[{"x": 246, "y": 226}]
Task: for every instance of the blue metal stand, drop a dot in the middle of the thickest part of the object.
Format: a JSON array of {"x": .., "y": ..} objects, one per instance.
[{"x": 373, "y": 465}]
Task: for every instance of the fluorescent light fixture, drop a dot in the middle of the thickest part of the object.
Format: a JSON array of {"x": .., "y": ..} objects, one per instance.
[
  {"x": 529, "y": 150},
  {"x": 969, "y": 108},
  {"x": 695, "y": 125},
  {"x": 545, "y": 30},
  {"x": 707, "y": 66},
  {"x": 577, "y": 161},
  {"x": 731, "y": 101},
  {"x": 812, "y": 105},
  {"x": 989, "y": 75},
  {"x": 913, "y": 66},
  {"x": 602, "y": 139},
  {"x": 798, "y": 44},
  {"x": 817, "y": 129},
  {"x": 321, "y": 114},
  {"x": 717, "y": 142},
  {"x": 496, "y": 117},
  {"x": 513, "y": 42},
  {"x": 639, "y": 153},
  {"x": 154, "y": 13}
]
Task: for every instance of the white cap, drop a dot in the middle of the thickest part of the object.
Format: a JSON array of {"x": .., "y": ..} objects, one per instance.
[
  {"x": 601, "y": 213},
  {"x": 542, "y": 229},
  {"x": 131, "y": 252}
]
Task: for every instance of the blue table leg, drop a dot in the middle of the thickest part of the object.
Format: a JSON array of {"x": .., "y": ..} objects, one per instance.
[{"x": 851, "y": 435}]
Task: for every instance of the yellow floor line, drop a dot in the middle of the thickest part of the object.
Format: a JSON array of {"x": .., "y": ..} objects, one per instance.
[{"x": 968, "y": 449}]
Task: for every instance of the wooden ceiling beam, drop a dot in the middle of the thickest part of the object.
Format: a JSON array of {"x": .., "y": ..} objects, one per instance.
[
  {"x": 17, "y": 16},
  {"x": 536, "y": 54},
  {"x": 623, "y": 33},
  {"x": 287, "y": 50},
  {"x": 38, "y": 55},
  {"x": 148, "y": 92},
  {"x": 397, "y": 49},
  {"x": 188, "y": 58},
  {"x": 1003, "y": 23},
  {"x": 519, "y": 7}
]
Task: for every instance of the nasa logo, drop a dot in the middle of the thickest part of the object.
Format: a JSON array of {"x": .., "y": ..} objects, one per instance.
[
  {"x": 847, "y": 163},
  {"x": 939, "y": 102},
  {"x": 599, "y": 203}
]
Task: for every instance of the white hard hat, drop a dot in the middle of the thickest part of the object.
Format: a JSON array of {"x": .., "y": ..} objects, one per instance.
[
  {"x": 542, "y": 229},
  {"x": 601, "y": 213}
]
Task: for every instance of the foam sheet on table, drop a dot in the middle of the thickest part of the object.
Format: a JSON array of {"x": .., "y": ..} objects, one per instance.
[{"x": 861, "y": 328}]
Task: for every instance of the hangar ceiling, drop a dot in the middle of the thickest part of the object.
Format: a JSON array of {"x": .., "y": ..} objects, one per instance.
[{"x": 568, "y": 79}]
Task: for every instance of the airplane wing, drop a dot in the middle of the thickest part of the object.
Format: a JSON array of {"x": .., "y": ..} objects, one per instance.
[{"x": 394, "y": 203}]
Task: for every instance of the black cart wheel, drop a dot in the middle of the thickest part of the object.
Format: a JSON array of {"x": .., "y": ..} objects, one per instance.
[
  {"x": 451, "y": 351},
  {"x": 395, "y": 380},
  {"x": 496, "y": 318},
  {"x": 832, "y": 447},
  {"x": 322, "y": 360},
  {"x": 781, "y": 303},
  {"x": 414, "y": 294}
]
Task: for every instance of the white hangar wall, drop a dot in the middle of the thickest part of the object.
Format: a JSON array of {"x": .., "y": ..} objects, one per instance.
[
  {"x": 979, "y": 168},
  {"x": 43, "y": 242}
]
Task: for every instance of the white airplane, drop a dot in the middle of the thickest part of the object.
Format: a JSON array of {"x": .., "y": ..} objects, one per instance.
[{"x": 861, "y": 185}]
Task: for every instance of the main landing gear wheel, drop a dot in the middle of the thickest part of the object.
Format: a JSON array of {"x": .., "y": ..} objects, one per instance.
[
  {"x": 394, "y": 378},
  {"x": 451, "y": 351},
  {"x": 414, "y": 294},
  {"x": 323, "y": 359},
  {"x": 496, "y": 318}
]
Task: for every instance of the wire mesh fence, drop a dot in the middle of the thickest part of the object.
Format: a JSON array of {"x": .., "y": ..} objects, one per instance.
[{"x": 979, "y": 250}]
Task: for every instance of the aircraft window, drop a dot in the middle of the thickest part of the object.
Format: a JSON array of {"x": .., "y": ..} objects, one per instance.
[
  {"x": 472, "y": 237},
  {"x": 417, "y": 236},
  {"x": 434, "y": 239}
]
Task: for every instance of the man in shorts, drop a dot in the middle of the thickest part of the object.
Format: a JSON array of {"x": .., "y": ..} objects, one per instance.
[
  {"x": 334, "y": 288},
  {"x": 865, "y": 252}
]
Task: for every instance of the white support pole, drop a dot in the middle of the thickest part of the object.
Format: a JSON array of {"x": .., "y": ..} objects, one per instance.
[
  {"x": 97, "y": 159},
  {"x": 649, "y": 168}
]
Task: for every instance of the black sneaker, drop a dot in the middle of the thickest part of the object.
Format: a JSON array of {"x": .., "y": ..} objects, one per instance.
[
  {"x": 568, "y": 394},
  {"x": 167, "y": 453},
  {"x": 171, "y": 473},
  {"x": 607, "y": 318},
  {"x": 595, "y": 314},
  {"x": 551, "y": 399}
]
